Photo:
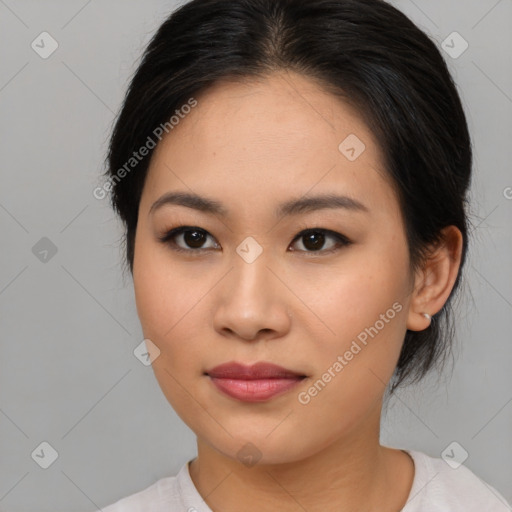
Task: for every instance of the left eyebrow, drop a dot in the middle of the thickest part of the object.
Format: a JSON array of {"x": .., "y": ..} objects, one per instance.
[
  {"x": 291, "y": 207},
  {"x": 320, "y": 202}
]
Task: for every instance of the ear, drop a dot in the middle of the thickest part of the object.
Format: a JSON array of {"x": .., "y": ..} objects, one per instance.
[{"x": 434, "y": 281}]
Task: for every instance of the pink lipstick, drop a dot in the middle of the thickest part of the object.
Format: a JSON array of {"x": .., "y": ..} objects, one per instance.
[{"x": 256, "y": 383}]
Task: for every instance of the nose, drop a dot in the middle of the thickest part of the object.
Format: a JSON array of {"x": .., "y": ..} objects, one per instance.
[{"x": 251, "y": 302}]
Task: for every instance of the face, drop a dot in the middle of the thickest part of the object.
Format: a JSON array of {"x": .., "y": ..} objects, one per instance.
[{"x": 246, "y": 283}]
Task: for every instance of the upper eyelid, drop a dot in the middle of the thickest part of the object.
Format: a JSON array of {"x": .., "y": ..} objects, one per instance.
[{"x": 179, "y": 230}]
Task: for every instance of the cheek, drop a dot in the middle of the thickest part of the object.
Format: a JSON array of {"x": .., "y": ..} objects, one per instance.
[
  {"x": 353, "y": 297},
  {"x": 174, "y": 307},
  {"x": 162, "y": 290},
  {"x": 362, "y": 319},
  {"x": 167, "y": 299},
  {"x": 366, "y": 312}
]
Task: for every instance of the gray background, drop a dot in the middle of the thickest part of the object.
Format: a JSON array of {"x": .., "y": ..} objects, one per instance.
[{"x": 68, "y": 374}]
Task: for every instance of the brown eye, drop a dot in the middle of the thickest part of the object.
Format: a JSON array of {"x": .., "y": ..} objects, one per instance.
[
  {"x": 314, "y": 240},
  {"x": 192, "y": 239},
  {"x": 187, "y": 238}
]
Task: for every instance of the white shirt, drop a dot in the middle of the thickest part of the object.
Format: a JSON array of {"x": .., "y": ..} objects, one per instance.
[{"x": 436, "y": 487}]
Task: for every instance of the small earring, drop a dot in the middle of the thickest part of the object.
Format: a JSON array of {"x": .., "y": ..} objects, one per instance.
[{"x": 427, "y": 316}]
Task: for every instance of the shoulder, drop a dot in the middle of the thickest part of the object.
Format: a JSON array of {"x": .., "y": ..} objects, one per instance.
[{"x": 441, "y": 487}]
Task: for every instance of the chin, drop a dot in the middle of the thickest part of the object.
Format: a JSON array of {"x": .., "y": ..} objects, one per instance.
[{"x": 259, "y": 448}]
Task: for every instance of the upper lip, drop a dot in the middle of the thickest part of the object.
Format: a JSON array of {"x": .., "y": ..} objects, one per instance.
[{"x": 260, "y": 370}]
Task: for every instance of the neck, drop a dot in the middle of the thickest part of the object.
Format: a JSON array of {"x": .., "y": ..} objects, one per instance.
[{"x": 352, "y": 473}]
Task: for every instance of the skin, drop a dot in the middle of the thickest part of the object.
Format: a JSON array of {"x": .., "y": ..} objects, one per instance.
[{"x": 251, "y": 146}]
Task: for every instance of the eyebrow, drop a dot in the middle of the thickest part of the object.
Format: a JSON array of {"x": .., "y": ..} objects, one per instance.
[{"x": 291, "y": 207}]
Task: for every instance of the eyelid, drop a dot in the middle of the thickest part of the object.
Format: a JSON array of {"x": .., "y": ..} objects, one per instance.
[
  {"x": 169, "y": 234},
  {"x": 341, "y": 242},
  {"x": 306, "y": 228}
]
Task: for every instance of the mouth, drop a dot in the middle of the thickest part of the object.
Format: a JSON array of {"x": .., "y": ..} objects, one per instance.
[{"x": 256, "y": 383}]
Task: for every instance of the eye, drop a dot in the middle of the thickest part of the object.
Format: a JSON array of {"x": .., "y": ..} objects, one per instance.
[
  {"x": 314, "y": 240},
  {"x": 191, "y": 239},
  {"x": 192, "y": 236}
]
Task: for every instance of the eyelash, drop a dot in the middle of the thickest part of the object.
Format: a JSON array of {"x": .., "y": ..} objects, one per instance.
[{"x": 167, "y": 239}]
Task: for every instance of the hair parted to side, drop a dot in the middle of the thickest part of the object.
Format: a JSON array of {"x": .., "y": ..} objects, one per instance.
[{"x": 366, "y": 52}]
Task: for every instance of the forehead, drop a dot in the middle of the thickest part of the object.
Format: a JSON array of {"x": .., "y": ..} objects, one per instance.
[{"x": 269, "y": 138}]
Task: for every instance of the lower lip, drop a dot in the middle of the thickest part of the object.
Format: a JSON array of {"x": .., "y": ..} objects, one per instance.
[{"x": 254, "y": 390}]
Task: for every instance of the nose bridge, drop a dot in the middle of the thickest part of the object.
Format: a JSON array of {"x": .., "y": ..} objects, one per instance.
[
  {"x": 252, "y": 298},
  {"x": 251, "y": 279}
]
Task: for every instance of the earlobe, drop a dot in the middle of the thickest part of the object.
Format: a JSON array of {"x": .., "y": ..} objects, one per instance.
[{"x": 436, "y": 279}]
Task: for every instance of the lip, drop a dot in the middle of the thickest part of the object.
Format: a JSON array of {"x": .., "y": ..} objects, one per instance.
[{"x": 256, "y": 383}]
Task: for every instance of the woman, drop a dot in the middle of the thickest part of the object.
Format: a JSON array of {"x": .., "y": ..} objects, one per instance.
[{"x": 292, "y": 176}]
